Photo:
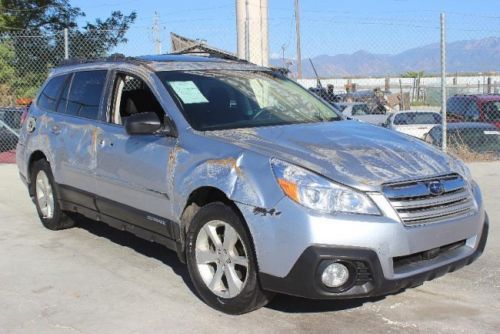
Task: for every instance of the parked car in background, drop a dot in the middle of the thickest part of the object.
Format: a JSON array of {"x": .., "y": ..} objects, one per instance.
[
  {"x": 363, "y": 112},
  {"x": 476, "y": 137},
  {"x": 474, "y": 108},
  {"x": 259, "y": 186},
  {"x": 11, "y": 116},
  {"x": 414, "y": 123},
  {"x": 10, "y": 119}
]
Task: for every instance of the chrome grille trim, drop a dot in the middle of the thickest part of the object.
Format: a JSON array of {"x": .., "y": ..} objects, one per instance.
[{"x": 416, "y": 205}]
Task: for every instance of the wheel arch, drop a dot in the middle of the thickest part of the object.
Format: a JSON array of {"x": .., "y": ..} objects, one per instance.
[
  {"x": 35, "y": 156},
  {"x": 198, "y": 198}
]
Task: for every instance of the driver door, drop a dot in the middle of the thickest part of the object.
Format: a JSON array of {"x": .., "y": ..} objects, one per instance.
[{"x": 132, "y": 170}]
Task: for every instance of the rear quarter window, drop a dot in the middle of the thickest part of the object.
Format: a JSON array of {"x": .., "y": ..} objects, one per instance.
[{"x": 50, "y": 95}]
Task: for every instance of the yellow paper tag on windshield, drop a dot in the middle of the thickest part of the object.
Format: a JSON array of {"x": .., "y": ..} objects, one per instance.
[{"x": 188, "y": 92}]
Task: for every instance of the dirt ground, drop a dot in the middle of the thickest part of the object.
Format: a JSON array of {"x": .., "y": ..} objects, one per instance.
[{"x": 93, "y": 279}]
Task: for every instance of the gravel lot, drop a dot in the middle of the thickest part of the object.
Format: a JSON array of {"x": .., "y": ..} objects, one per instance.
[{"x": 93, "y": 279}]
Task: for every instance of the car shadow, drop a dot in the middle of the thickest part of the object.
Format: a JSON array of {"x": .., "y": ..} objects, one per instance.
[
  {"x": 141, "y": 246},
  {"x": 280, "y": 303},
  {"x": 291, "y": 304}
]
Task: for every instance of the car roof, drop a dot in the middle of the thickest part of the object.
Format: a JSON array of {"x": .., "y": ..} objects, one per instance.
[
  {"x": 416, "y": 111},
  {"x": 350, "y": 103},
  {"x": 481, "y": 97},
  {"x": 167, "y": 62}
]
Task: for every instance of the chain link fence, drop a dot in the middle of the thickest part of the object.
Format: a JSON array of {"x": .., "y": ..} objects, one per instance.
[{"x": 382, "y": 70}]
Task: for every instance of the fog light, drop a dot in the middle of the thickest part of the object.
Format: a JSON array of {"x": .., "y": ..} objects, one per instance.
[{"x": 335, "y": 275}]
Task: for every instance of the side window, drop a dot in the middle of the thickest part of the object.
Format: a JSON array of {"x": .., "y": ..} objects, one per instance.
[
  {"x": 359, "y": 110},
  {"x": 85, "y": 94},
  {"x": 50, "y": 94},
  {"x": 436, "y": 134},
  {"x": 458, "y": 106},
  {"x": 131, "y": 95},
  {"x": 472, "y": 111}
]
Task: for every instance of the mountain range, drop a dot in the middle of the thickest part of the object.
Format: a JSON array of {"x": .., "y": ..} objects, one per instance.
[{"x": 478, "y": 55}]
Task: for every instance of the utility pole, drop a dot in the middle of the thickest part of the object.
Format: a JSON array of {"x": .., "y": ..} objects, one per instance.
[
  {"x": 297, "y": 31},
  {"x": 247, "y": 31},
  {"x": 252, "y": 31},
  {"x": 443, "y": 83},
  {"x": 157, "y": 33}
]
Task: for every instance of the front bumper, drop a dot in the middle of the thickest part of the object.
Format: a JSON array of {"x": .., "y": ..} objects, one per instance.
[{"x": 304, "y": 278}]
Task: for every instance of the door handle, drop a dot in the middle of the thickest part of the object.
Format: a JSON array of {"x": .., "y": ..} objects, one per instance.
[
  {"x": 55, "y": 129},
  {"x": 102, "y": 142}
]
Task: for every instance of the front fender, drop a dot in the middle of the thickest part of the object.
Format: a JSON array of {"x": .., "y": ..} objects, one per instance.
[{"x": 244, "y": 176}]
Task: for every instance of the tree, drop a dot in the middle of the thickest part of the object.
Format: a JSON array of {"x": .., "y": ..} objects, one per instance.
[
  {"x": 45, "y": 15},
  {"x": 413, "y": 74},
  {"x": 34, "y": 29}
]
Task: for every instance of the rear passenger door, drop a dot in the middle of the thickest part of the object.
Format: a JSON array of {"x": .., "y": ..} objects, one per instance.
[
  {"x": 74, "y": 136},
  {"x": 133, "y": 171}
]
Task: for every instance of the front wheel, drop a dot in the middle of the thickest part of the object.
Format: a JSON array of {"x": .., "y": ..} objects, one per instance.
[{"x": 221, "y": 261}]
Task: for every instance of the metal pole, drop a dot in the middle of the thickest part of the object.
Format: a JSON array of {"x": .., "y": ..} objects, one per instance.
[
  {"x": 297, "y": 31},
  {"x": 247, "y": 32},
  {"x": 443, "y": 82},
  {"x": 66, "y": 44}
]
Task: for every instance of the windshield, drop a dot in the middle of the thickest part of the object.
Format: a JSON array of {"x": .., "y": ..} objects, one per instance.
[
  {"x": 213, "y": 100},
  {"x": 410, "y": 118},
  {"x": 492, "y": 111}
]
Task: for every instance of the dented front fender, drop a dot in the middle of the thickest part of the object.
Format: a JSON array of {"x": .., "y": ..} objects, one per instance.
[{"x": 244, "y": 176}]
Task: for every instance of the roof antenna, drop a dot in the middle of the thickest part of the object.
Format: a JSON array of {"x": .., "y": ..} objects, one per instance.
[{"x": 318, "y": 81}]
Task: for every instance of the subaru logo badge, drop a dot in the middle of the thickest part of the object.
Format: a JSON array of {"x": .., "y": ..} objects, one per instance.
[{"x": 436, "y": 188}]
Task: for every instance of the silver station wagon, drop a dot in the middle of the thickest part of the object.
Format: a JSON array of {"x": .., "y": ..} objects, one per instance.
[{"x": 259, "y": 186}]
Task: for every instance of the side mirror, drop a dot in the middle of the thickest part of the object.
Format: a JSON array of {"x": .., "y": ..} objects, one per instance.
[{"x": 146, "y": 123}]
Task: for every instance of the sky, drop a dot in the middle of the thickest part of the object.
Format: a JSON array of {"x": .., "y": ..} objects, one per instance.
[{"x": 327, "y": 26}]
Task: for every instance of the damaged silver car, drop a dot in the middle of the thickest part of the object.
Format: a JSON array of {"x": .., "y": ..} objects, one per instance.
[{"x": 258, "y": 185}]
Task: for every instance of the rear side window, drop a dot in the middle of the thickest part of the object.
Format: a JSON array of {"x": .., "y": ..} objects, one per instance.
[
  {"x": 456, "y": 105},
  {"x": 50, "y": 94},
  {"x": 85, "y": 94}
]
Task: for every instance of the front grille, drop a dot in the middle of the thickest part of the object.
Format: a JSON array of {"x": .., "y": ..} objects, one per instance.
[{"x": 416, "y": 204}]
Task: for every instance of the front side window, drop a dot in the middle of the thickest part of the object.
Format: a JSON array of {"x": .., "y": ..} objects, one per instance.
[
  {"x": 49, "y": 96},
  {"x": 212, "y": 100},
  {"x": 85, "y": 94},
  {"x": 131, "y": 95}
]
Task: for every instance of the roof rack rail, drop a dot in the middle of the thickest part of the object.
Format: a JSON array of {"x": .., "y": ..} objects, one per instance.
[
  {"x": 118, "y": 57},
  {"x": 210, "y": 54}
]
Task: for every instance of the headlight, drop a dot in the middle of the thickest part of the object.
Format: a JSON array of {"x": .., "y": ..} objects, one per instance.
[
  {"x": 461, "y": 168},
  {"x": 317, "y": 193}
]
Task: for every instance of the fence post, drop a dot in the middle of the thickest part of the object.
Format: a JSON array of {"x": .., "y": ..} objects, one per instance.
[
  {"x": 66, "y": 46},
  {"x": 443, "y": 82}
]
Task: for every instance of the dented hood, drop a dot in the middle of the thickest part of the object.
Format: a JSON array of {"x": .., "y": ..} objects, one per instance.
[{"x": 352, "y": 153}]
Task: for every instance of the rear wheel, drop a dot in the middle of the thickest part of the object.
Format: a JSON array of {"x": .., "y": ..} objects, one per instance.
[
  {"x": 46, "y": 200},
  {"x": 221, "y": 261}
]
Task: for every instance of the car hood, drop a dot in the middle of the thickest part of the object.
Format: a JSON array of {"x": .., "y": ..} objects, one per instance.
[{"x": 353, "y": 153}]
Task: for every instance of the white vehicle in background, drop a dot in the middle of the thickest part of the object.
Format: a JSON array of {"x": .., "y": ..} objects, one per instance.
[
  {"x": 363, "y": 112},
  {"x": 413, "y": 122}
]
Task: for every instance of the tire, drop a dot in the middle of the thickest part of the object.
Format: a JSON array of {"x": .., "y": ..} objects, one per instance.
[
  {"x": 209, "y": 265},
  {"x": 46, "y": 198}
]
